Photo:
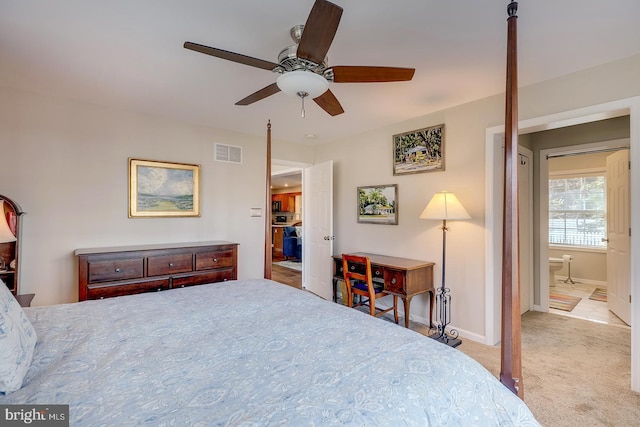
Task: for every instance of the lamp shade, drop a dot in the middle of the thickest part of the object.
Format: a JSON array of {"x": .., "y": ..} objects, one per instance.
[
  {"x": 5, "y": 233},
  {"x": 445, "y": 206},
  {"x": 299, "y": 82}
]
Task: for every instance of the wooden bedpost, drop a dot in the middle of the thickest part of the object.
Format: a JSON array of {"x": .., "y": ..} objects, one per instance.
[
  {"x": 511, "y": 360},
  {"x": 267, "y": 210}
]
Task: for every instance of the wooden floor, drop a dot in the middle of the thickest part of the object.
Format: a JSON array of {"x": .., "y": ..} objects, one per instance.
[{"x": 286, "y": 275}]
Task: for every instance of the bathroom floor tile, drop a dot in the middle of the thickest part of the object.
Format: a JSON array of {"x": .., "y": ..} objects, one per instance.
[{"x": 596, "y": 311}]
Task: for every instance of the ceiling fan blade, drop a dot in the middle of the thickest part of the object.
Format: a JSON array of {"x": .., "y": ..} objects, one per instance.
[
  {"x": 329, "y": 103},
  {"x": 365, "y": 74},
  {"x": 231, "y": 56},
  {"x": 319, "y": 30},
  {"x": 261, "y": 94}
]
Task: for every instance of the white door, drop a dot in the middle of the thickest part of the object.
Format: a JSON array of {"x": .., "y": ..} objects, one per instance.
[
  {"x": 618, "y": 227},
  {"x": 317, "y": 187},
  {"x": 525, "y": 207}
]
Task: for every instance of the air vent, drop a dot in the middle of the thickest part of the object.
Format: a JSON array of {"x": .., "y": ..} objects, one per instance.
[{"x": 228, "y": 153}]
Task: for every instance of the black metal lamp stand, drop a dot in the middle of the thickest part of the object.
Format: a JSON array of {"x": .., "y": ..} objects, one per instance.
[
  {"x": 444, "y": 206},
  {"x": 443, "y": 304}
]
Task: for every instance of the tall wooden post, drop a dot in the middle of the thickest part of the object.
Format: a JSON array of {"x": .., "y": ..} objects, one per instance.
[
  {"x": 267, "y": 210},
  {"x": 511, "y": 360}
]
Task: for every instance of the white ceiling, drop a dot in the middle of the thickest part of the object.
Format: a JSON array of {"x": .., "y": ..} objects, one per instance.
[
  {"x": 128, "y": 54},
  {"x": 286, "y": 180}
]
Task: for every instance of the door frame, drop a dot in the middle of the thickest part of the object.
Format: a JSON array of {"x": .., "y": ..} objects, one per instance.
[
  {"x": 543, "y": 253},
  {"x": 529, "y": 238},
  {"x": 292, "y": 166},
  {"x": 493, "y": 213}
]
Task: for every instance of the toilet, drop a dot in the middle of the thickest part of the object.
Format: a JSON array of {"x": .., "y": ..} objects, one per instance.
[{"x": 555, "y": 264}]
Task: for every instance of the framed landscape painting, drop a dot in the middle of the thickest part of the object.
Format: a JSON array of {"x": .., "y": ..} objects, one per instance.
[
  {"x": 163, "y": 189},
  {"x": 378, "y": 204},
  {"x": 419, "y": 151}
]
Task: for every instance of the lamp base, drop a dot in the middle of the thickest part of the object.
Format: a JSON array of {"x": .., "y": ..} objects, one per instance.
[{"x": 445, "y": 339}]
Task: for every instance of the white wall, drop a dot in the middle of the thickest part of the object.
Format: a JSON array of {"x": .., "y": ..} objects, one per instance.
[
  {"x": 66, "y": 164},
  {"x": 367, "y": 160}
]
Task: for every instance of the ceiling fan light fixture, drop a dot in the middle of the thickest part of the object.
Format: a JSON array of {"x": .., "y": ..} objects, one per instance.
[{"x": 295, "y": 82}]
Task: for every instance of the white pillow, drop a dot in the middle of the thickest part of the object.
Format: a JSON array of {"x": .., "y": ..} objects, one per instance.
[{"x": 17, "y": 341}]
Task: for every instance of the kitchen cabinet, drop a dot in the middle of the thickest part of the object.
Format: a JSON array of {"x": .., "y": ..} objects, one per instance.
[
  {"x": 277, "y": 241},
  {"x": 287, "y": 201}
]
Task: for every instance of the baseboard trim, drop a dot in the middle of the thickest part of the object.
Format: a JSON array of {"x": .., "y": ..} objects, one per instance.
[
  {"x": 421, "y": 319},
  {"x": 585, "y": 281}
]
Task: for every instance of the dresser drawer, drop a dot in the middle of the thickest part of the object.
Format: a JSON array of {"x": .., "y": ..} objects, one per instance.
[
  {"x": 394, "y": 280},
  {"x": 107, "y": 291},
  {"x": 115, "y": 269},
  {"x": 214, "y": 259},
  {"x": 214, "y": 276},
  {"x": 169, "y": 264}
]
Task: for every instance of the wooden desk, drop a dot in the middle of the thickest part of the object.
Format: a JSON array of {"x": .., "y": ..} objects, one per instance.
[{"x": 401, "y": 276}]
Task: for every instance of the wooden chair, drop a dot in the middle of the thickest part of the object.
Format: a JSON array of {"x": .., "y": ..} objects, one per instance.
[{"x": 358, "y": 279}]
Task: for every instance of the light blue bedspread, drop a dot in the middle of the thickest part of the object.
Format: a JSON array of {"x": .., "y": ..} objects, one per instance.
[{"x": 252, "y": 352}]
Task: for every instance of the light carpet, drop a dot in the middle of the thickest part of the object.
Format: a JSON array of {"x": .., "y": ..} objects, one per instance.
[{"x": 576, "y": 373}]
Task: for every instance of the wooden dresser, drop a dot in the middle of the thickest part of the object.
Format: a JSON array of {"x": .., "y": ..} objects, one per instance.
[{"x": 126, "y": 270}]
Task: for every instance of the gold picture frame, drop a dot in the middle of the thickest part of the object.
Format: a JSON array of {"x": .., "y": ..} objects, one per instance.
[{"x": 163, "y": 189}]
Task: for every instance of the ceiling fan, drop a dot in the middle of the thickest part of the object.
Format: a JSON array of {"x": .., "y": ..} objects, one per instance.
[{"x": 303, "y": 67}]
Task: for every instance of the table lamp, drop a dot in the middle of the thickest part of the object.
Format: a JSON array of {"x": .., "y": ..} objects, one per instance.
[{"x": 444, "y": 206}]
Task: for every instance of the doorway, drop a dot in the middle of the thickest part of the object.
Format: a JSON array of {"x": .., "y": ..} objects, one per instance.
[
  {"x": 286, "y": 228},
  {"x": 577, "y": 204},
  {"x": 493, "y": 210}
]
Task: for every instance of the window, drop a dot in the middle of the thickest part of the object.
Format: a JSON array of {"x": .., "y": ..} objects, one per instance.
[{"x": 578, "y": 210}]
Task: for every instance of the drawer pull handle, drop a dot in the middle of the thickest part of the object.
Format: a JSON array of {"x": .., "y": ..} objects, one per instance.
[
  {"x": 117, "y": 270},
  {"x": 215, "y": 260},
  {"x": 170, "y": 264},
  {"x": 393, "y": 281}
]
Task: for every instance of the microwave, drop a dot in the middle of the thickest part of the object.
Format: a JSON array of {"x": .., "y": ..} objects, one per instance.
[{"x": 280, "y": 218}]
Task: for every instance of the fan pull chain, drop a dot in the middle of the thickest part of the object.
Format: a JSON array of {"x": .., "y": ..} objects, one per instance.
[{"x": 302, "y": 95}]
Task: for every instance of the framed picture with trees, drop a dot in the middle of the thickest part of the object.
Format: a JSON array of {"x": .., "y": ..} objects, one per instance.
[
  {"x": 419, "y": 151},
  {"x": 378, "y": 204}
]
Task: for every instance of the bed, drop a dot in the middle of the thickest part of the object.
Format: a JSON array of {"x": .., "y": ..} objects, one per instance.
[{"x": 251, "y": 352}]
